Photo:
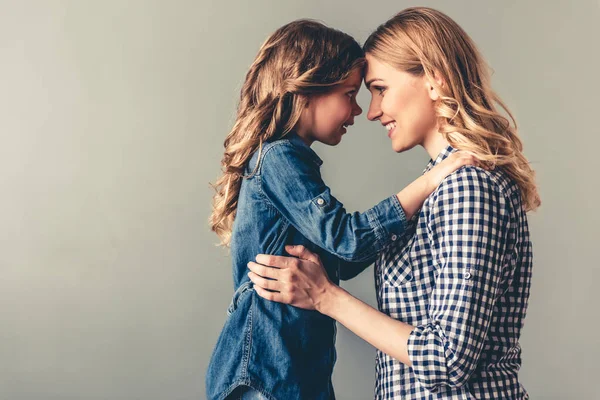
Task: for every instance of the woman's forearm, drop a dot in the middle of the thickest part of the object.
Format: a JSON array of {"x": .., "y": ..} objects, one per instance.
[{"x": 373, "y": 326}]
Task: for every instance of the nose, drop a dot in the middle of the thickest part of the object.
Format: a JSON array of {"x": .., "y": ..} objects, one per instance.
[
  {"x": 356, "y": 110},
  {"x": 374, "y": 112}
]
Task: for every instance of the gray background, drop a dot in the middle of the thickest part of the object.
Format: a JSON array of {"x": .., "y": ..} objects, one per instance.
[{"x": 112, "y": 118}]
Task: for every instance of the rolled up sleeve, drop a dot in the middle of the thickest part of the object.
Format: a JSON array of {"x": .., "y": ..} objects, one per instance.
[{"x": 467, "y": 228}]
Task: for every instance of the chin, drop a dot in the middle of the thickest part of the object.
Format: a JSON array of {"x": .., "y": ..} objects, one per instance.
[
  {"x": 334, "y": 141},
  {"x": 402, "y": 147},
  {"x": 399, "y": 148}
]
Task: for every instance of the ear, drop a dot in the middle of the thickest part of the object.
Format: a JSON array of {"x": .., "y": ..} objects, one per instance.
[{"x": 431, "y": 87}]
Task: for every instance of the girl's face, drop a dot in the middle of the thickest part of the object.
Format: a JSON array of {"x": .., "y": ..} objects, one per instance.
[
  {"x": 327, "y": 115},
  {"x": 403, "y": 103}
]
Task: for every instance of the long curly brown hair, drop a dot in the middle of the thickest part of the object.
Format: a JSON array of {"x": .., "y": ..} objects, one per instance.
[{"x": 298, "y": 60}]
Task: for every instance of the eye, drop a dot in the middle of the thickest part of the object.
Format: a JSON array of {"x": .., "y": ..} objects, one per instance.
[
  {"x": 380, "y": 89},
  {"x": 351, "y": 93}
]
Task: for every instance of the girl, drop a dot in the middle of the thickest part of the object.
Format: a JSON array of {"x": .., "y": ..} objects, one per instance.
[
  {"x": 300, "y": 89},
  {"x": 453, "y": 292}
]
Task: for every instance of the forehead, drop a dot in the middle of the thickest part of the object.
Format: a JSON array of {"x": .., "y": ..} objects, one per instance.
[
  {"x": 354, "y": 80},
  {"x": 376, "y": 68}
]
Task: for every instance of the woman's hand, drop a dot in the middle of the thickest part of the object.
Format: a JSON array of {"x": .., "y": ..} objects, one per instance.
[{"x": 300, "y": 282}]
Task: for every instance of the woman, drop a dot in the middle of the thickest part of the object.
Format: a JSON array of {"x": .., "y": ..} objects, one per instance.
[{"x": 453, "y": 292}]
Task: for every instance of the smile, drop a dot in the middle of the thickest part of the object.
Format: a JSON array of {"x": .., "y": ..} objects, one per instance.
[{"x": 390, "y": 128}]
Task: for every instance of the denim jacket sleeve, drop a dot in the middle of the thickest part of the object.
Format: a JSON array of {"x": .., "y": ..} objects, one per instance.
[{"x": 291, "y": 181}]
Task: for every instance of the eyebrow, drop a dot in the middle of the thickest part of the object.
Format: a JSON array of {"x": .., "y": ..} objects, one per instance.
[{"x": 370, "y": 81}]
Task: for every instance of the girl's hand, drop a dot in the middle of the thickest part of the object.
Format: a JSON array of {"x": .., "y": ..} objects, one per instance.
[
  {"x": 300, "y": 282},
  {"x": 453, "y": 162}
]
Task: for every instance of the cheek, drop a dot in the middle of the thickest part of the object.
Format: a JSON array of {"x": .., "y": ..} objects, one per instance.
[
  {"x": 344, "y": 107},
  {"x": 331, "y": 114},
  {"x": 426, "y": 111},
  {"x": 386, "y": 105},
  {"x": 339, "y": 112},
  {"x": 321, "y": 113},
  {"x": 414, "y": 113},
  {"x": 394, "y": 104}
]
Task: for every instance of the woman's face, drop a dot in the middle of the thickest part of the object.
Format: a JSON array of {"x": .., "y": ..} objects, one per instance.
[{"x": 403, "y": 103}]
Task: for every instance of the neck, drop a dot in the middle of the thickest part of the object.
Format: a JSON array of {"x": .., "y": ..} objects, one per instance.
[
  {"x": 304, "y": 136},
  {"x": 434, "y": 144}
]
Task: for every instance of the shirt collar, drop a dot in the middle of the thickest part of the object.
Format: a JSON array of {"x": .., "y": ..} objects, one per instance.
[
  {"x": 296, "y": 140},
  {"x": 441, "y": 157}
]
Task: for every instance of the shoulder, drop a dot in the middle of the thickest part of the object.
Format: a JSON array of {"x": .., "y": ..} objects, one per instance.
[
  {"x": 282, "y": 154},
  {"x": 471, "y": 186},
  {"x": 283, "y": 147}
]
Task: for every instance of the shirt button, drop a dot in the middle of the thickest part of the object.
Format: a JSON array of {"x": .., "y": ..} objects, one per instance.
[
  {"x": 467, "y": 275},
  {"x": 394, "y": 237},
  {"x": 320, "y": 201}
]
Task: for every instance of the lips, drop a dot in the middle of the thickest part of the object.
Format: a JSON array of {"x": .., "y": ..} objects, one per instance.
[
  {"x": 391, "y": 126},
  {"x": 346, "y": 125}
]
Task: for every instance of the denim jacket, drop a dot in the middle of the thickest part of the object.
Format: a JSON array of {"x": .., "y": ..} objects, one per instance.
[{"x": 285, "y": 352}]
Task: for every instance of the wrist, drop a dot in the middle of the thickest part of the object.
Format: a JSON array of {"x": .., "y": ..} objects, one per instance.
[
  {"x": 327, "y": 299},
  {"x": 428, "y": 183}
]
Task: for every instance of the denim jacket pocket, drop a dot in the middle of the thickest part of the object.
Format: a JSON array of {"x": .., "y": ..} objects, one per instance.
[{"x": 238, "y": 295}]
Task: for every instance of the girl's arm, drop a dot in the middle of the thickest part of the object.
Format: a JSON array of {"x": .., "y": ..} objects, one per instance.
[
  {"x": 445, "y": 349},
  {"x": 413, "y": 196},
  {"x": 291, "y": 183}
]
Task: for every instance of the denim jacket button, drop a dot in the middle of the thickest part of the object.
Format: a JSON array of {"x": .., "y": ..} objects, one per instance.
[
  {"x": 394, "y": 237},
  {"x": 320, "y": 202}
]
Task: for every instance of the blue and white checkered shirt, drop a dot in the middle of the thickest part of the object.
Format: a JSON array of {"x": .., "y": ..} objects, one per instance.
[{"x": 461, "y": 275}]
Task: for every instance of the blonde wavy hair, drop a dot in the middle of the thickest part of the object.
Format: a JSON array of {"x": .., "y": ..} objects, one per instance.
[
  {"x": 300, "y": 59},
  {"x": 422, "y": 40}
]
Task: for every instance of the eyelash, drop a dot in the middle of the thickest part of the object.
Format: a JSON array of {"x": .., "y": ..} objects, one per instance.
[
  {"x": 380, "y": 89},
  {"x": 350, "y": 94}
]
